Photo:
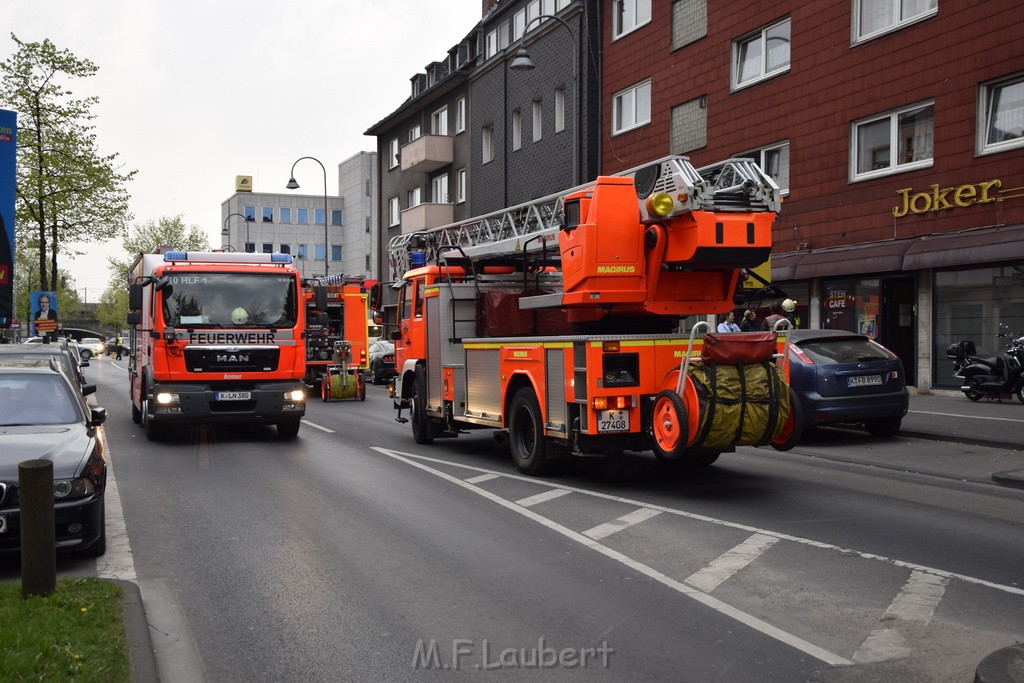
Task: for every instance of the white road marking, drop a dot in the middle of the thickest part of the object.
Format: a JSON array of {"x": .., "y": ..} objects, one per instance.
[
  {"x": 1013, "y": 590},
  {"x": 973, "y": 417},
  {"x": 703, "y": 598},
  {"x": 722, "y": 568},
  {"x": 624, "y": 522},
  {"x": 482, "y": 478},
  {"x": 916, "y": 602},
  {"x": 542, "y": 497},
  {"x": 316, "y": 426}
]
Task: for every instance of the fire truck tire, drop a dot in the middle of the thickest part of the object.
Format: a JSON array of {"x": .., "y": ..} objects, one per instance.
[
  {"x": 136, "y": 414},
  {"x": 794, "y": 427},
  {"x": 526, "y": 434},
  {"x": 154, "y": 430},
  {"x": 361, "y": 386},
  {"x": 669, "y": 426},
  {"x": 288, "y": 429},
  {"x": 422, "y": 428}
]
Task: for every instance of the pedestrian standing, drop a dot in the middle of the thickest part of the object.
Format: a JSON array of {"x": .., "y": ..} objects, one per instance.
[
  {"x": 749, "y": 324},
  {"x": 776, "y": 315},
  {"x": 728, "y": 324}
]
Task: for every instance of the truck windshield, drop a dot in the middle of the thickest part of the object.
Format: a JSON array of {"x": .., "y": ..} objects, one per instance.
[{"x": 225, "y": 300}]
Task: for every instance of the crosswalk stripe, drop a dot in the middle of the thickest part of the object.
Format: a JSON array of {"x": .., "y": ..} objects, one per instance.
[{"x": 915, "y": 602}]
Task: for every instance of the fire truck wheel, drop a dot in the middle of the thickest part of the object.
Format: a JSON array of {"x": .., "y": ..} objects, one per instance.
[
  {"x": 669, "y": 426},
  {"x": 794, "y": 427},
  {"x": 361, "y": 386},
  {"x": 288, "y": 429},
  {"x": 154, "y": 430},
  {"x": 422, "y": 429},
  {"x": 136, "y": 414},
  {"x": 526, "y": 434}
]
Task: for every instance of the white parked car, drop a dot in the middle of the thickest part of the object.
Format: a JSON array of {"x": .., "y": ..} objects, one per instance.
[{"x": 91, "y": 346}]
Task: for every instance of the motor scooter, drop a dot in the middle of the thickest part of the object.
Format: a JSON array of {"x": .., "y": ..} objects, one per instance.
[{"x": 987, "y": 376}]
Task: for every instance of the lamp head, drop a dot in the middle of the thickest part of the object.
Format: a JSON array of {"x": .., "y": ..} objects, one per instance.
[
  {"x": 292, "y": 185},
  {"x": 522, "y": 61},
  {"x": 225, "y": 231}
]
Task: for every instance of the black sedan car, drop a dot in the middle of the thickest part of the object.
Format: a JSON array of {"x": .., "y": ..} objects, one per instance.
[
  {"x": 847, "y": 378},
  {"x": 44, "y": 416},
  {"x": 382, "y": 361}
]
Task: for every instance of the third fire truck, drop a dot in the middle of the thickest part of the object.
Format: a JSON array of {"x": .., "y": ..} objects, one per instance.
[
  {"x": 559, "y": 320},
  {"x": 337, "y": 336}
]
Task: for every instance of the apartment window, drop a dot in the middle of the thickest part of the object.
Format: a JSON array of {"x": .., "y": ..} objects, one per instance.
[
  {"x": 393, "y": 153},
  {"x": 439, "y": 189},
  {"x": 335, "y": 252},
  {"x": 319, "y": 217},
  {"x": 460, "y": 185},
  {"x": 774, "y": 161},
  {"x": 518, "y": 25},
  {"x": 487, "y": 145},
  {"x": 532, "y": 12},
  {"x": 1001, "y": 115},
  {"x": 460, "y": 115},
  {"x": 368, "y": 188},
  {"x": 761, "y": 55},
  {"x": 394, "y": 212},
  {"x": 268, "y": 248},
  {"x": 367, "y": 225},
  {"x": 300, "y": 251},
  {"x": 415, "y": 132},
  {"x": 559, "y": 110},
  {"x": 320, "y": 252},
  {"x": 538, "y": 121},
  {"x": 629, "y": 15},
  {"x": 367, "y": 263},
  {"x": 439, "y": 122},
  {"x": 414, "y": 197},
  {"x": 561, "y": 5},
  {"x": 491, "y": 44},
  {"x": 286, "y": 215},
  {"x": 337, "y": 217},
  {"x": 517, "y": 130},
  {"x": 286, "y": 249},
  {"x": 250, "y": 213},
  {"x": 268, "y": 214},
  {"x": 250, "y": 247},
  {"x": 631, "y": 108},
  {"x": 875, "y": 17},
  {"x": 894, "y": 142},
  {"x": 302, "y": 216}
]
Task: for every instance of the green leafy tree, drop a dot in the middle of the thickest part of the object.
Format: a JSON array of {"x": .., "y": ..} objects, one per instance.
[
  {"x": 143, "y": 239},
  {"x": 66, "y": 190}
]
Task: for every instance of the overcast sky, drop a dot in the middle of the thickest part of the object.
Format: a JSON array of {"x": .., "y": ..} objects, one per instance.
[{"x": 193, "y": 93}]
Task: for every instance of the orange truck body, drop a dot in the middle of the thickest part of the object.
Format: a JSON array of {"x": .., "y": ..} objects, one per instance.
[
  {"x": 336, "y": 310},
  {"x": 216, "y": 338}
]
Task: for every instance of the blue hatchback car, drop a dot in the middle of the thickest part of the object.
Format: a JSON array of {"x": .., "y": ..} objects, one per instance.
[{"x": 847, "y": 378}]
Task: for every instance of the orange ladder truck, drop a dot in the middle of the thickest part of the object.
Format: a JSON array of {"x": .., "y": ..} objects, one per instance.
[{"x": 558, "y": 321}]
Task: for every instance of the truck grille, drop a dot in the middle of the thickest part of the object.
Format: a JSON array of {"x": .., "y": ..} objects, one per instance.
[{"x": 232, "y": 359}]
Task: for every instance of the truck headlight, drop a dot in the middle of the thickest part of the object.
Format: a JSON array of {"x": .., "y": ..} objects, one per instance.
[
  {"x": 295, "y": 395},
  {"x": 166, "y": 398}
]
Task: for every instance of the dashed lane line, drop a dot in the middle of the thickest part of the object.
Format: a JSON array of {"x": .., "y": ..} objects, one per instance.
[
  {"x": 530, "y": 501},
  {"x": 314, "y": 425},
  {"x": 624, "y": 522},
  {"x": 703, "y": 598}
]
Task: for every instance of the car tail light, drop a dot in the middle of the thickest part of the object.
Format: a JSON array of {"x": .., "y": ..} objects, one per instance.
[
  {"x": 613, "y": 402},
  {"x": 801, "y": 356}
]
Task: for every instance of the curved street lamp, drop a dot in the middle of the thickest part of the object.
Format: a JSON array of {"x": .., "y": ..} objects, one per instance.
[
  {"x": 245, "y": 218},
  {"x": 523, "y": 62},
  {"x": 292, "y": 185}
]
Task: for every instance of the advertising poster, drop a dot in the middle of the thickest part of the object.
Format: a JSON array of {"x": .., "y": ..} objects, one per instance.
[
  {"x": 8, "y": 156},
  {"x": 43, "y": 319}
]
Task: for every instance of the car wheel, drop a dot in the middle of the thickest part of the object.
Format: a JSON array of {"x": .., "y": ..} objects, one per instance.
[
  {"x": 526, "y": 434},
  {"x": 1020, "y": 393},
  {"x": 374, "y": 374},
  {"x": 288, "y": 429},
  {"x": 883, "y": 426}
]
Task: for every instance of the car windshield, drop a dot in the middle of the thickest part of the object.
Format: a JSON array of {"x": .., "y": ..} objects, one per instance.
[
  {"x": 36, "y": 399},
  {"x": 230, "y": 300},
  {"x": 851, "y": 350}
]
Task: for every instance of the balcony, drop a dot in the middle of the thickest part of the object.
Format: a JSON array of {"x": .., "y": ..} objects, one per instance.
[
  {"x": 427, "y": 216},
  {"x": 427, "y": 153}
]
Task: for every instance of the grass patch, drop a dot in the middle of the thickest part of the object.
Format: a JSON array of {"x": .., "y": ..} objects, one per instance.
[{"x": 75, "y": 633}]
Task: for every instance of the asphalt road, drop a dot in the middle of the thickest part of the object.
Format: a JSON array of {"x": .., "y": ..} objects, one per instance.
[{"x": 350, "y": 553}]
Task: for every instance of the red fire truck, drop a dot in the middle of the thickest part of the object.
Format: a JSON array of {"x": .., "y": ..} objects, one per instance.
[
  {"x": 337, "y": 337},
  {"x": 216, "y": 338},
  {"x": 558, "y": 321}
]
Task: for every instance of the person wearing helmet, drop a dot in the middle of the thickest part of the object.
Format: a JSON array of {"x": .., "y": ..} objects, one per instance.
[{"x": 789, "y": 311}]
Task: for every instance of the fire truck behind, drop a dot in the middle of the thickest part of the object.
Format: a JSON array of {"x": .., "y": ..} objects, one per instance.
[
  {"x": 337, "y": 337},
  {"x": 216, "y": 338}
]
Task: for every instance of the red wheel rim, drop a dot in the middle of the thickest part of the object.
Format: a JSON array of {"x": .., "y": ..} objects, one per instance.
[{"x": 666, "y": 425}]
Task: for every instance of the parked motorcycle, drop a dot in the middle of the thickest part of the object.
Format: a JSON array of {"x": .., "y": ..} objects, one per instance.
[{"x": 990, "y": 376}]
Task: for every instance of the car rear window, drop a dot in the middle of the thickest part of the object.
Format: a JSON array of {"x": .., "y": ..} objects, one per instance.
[{"x": 825, "y": 351}]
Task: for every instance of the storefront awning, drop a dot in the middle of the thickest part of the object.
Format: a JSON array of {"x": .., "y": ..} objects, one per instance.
[
  {"x": 876, "y": 257},
  {"x": 963, "y": 248}
]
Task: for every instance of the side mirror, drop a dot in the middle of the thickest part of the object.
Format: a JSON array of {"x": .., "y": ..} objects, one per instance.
[
  {"x": 134, "y": 318},
  {"x": 374, "y": 298},
  {"x": 396, "y": 335},
  {"x": 90, "y": 389},
  {"x": 134, "y": 297},
  {"x": 98, "y": 416}
]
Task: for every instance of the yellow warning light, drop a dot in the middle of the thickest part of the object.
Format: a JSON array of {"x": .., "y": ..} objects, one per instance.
[{"x": 660, "y": 204}]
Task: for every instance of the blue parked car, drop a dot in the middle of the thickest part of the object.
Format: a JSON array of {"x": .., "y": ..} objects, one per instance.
[{"x": 847, "y": 378}]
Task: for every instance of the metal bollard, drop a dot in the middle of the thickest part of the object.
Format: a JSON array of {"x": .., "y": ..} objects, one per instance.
[{"x": 38, "y": 537}]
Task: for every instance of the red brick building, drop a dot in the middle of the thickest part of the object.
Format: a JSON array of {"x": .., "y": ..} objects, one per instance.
[{"x": 896, "y": 128}]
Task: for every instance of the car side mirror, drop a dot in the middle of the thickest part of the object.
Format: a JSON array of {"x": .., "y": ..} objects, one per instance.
[
  {"x": 83, "y": 363},
  {"x": 88, "y": 389},
  {"x": 99, "y": 415},
  {"x": 396, "y": 335}
]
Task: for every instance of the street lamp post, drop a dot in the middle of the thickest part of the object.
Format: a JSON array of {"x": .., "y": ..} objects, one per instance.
[
  {"x": 292, "y": 185},
  {"x": 523, "y": 62},
  {"x": 245, "y": 218}
]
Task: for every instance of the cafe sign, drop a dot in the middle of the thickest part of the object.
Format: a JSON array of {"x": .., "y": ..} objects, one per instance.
[{"x": 942, "y": 198}]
